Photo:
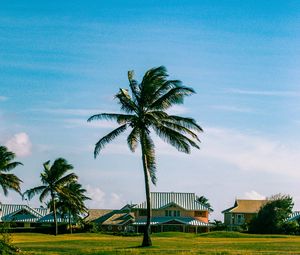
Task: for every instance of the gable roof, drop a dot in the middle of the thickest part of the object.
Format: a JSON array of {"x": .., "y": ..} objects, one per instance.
[
  {"x": 245, "y": 206},
  {"x": 118, "y": 219},
  {"x": 49, "y": 218},
  {"x": 160, "y": 200},
  {"x": 23, "y": 213},
  {"x": 94, "y": 214}
]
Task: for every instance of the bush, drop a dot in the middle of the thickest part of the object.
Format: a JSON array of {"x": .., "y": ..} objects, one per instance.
[
  {"x": 5, "y": 241},
  {"x": 271, "y": 218}
]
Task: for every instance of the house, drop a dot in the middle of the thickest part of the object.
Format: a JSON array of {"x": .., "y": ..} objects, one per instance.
[
  {"x": 20, "y": 216},
  {"x": 111, "y": 220},
  {"x": 173, "y": 211},
  {"x": 241, "y": 213}
]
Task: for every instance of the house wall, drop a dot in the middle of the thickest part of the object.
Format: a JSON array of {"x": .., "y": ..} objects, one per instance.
[{"x": 199, "y": 215}]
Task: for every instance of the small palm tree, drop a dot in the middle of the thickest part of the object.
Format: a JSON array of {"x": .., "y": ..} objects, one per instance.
[
  {"x": 71, "y": 201},
  {"x": 8, "y": 181},
  {"x": 53, "y": 179},
  {"x": 145, "y": 111}
]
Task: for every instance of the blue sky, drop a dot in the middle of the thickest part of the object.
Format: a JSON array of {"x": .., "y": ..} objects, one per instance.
[{"x": 62, "y": 61}]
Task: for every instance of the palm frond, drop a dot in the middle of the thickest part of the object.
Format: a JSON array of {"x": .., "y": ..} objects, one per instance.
[
  {"x": 120, "y": 118},
  {"x": 180, "y": 129},
  {"x": 30, "y": 193},
  {"x": 108, "y": 138},
  {"x": 59, "y": 167},
  {"x": 176, "y": 139},
  {"x": 136, "y": 93},
  {"x": 10, "y": 166},
  {"x": 185, "y": 122},
  {"x": 149, "y": 153},
  {"x": 67, "y": 179},
  {"x": 133, "y": 139},
  {"x": 127, "y": 104},
  {"x": 173, "y": 96},
  {"x": 10, "y": 181}
]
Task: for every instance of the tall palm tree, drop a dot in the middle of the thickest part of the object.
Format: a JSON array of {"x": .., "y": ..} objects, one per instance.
[
  {"x": 145, "y": 111},
  {"x": 53, "y": 178},
  {"x": 8, "y": 181}
]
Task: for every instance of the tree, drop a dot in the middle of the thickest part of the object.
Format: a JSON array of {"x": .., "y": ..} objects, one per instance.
[
  {"x": 71, "y": 201},
  {"x": 145, "y": 111},
  {"x": 53, "y": 179},
  {"x": 8, "y": 181},
  {"x": 203, "y": 200},
  {"x": 272, "y": 216}
]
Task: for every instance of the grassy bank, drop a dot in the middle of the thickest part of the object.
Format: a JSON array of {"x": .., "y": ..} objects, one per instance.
[{"x": 164, "y": 243}]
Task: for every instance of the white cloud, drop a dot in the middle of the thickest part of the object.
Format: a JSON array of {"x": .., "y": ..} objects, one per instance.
[
  {"x": 70, "y": 123},
  {"x": 101, "y": 200},
  {"x": 232, "y": 108},
  {"x": 281, "y": 93},
  {"x": 76, "y": 112},
  {"x": 3, "y": 98},
  {"x": 20, "y": 144},
  {"x": 250, "y": 152},
  {"x": 254, "y": 195}
]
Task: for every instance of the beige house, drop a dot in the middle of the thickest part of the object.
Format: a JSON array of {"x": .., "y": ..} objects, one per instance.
[
  {"x": 241, "y": 213},
  {"x": 173, "y": 211}
]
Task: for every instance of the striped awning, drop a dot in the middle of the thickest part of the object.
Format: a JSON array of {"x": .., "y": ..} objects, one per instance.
[{"x": 294, "y": 216}]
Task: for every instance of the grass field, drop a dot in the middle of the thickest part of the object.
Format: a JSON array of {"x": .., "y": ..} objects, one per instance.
[{"x": 163, "y": 243}]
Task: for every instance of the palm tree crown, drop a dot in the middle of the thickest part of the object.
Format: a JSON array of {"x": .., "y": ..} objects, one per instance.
[
  {"x": 145, "y": 110},
  {"x": 8, "y": 181}
]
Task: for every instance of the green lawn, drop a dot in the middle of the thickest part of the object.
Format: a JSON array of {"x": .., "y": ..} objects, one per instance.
[{"x": 164, "y": 243}]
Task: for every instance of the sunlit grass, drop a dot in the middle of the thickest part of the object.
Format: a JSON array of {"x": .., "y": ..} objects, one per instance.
[{"x": 163, "y": 243}]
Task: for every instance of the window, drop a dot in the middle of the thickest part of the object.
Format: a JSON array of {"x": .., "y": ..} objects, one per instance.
[
  {"x": 176, "y": 213},
  {"x": 199, "y": 214},
  {"x": 240, "y": 219},
  {"x": 168, "y": 213}
]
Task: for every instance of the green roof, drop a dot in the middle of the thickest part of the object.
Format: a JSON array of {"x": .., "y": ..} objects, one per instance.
[
  {"x": 21, "y": 213},
  {"x": 187, "y": 201}
]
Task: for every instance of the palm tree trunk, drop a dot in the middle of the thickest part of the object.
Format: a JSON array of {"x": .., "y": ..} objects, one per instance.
[
  {"x": 54, "y": 214},
  {"x": 147, "y": 239}
]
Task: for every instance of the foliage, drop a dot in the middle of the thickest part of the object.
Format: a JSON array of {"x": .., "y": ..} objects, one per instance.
[
  {"x": 70, "y": 202},
  {"x": 6, "y": 248},
  {"x": 7, "y": 180},
  {"x": 145, "y": 110},
  {"x": 203, "y": 200},
  {"x": 272, "y": 216},
  {"x": 218, "y": 225},
  {"x": 54, "y": 178}
]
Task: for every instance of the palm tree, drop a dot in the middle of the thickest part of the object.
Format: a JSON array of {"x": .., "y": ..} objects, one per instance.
[
  {"x": 203, "y": 200},
  {"x": 71, "y": 201},
  {"x": 53, "y": 179},
  {"x": 8, "y": 181},
  {"x": 145, "y": 111}
]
